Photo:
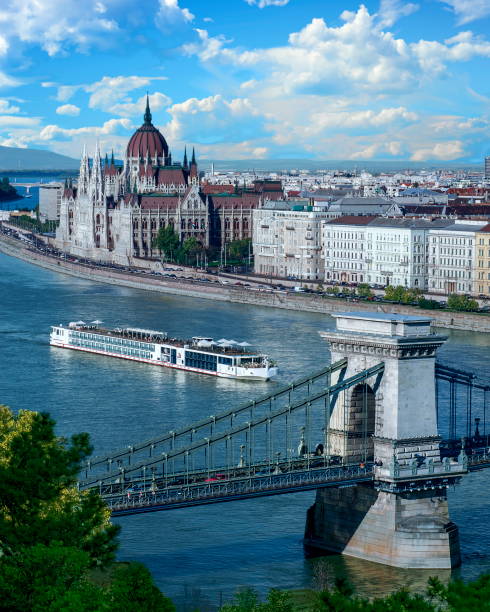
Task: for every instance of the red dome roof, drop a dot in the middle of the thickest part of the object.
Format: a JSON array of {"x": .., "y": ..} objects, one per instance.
[{"x": 147, "y": 140}]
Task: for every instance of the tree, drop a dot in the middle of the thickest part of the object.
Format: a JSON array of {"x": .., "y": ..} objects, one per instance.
[
  {"x": 39, "y": 501},
  {"x": 462, "y": 303},
  {"x": 52, "y": 536},
  {"x": 239, "y": 249},
  {"x": 133, "y": 584},
  {"x": 247, "y": 600},
  {"x": 364, "y": 290},
  {"x": 404, "y": 295},
  {"x": 429, "y": 304},
  {"x": 53, "y": 577},
  {"x": 167, "y": 241}
]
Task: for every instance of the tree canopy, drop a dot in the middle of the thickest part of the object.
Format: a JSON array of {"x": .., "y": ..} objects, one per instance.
[{"x": 52, "y": 536}]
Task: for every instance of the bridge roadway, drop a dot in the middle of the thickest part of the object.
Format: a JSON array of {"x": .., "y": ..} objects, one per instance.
[{"x": 303, "y": 474}]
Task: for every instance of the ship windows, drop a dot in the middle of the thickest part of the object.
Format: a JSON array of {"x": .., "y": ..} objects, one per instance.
[
  {"x": 203, "y": 361},
  {"x": 225, "y": 361}
]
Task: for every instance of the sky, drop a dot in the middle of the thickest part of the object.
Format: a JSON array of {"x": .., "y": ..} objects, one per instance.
[{"x": 250, "y": 79}]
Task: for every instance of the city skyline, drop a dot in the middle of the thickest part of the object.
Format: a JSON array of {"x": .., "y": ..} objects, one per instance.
[{"x": 250, "y": 79}]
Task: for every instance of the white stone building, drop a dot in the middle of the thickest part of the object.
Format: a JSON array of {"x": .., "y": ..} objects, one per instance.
[
  {"x": 287, "y": 240},
  {"x": 452, "y": 255},
  {"x": 50, "y": 201},
  {"x": 378, "y": 250}
]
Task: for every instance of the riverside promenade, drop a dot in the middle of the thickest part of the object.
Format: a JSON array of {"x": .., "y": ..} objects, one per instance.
[{"x": 233, "y": 293}]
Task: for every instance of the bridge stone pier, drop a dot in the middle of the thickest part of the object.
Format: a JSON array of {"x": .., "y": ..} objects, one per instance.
[{"x": 402, "y": 518}]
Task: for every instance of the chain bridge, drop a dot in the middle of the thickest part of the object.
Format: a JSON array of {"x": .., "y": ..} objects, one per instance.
[{"x": 381, "y": 434}]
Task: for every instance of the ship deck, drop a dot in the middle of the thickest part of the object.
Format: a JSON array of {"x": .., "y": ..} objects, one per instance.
[{"x": 174, "y": 342}]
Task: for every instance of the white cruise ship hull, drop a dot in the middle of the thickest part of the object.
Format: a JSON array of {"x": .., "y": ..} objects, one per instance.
[{"x": 62, "y": 337}]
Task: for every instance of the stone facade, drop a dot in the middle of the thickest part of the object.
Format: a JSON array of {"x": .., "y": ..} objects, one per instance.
[{"x": 287, "y": 240}]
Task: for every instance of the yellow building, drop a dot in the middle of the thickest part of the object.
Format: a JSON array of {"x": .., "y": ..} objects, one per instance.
[{"x": 482, "y": 261}]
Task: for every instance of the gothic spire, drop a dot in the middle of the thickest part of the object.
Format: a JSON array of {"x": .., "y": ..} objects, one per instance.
[
  {"x": 147, "y": 116},
  {"x": 193, "y": 160},
  {"x": 185, "y": 158},
  {"x": 112, "y": 158},
  {"x": 106, "y": 161}
]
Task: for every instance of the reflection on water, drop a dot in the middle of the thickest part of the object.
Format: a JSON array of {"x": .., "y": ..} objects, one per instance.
[{"x": 202, "y": 554}]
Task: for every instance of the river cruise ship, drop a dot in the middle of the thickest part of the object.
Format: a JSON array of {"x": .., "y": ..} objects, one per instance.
[{"x": 223, "y": 358}]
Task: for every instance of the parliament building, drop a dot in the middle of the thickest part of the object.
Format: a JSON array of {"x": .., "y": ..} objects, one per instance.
[{"x": 115, "y": 211}]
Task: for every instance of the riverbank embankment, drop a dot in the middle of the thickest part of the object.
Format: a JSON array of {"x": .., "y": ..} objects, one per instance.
[{"x": 239, "y": 294}]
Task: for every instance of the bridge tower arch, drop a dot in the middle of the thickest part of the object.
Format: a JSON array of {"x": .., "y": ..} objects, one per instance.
[{"x": 401, "y": 519}]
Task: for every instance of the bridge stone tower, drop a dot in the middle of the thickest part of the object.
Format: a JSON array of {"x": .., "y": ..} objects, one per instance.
[{"x": 402, "y": 518}]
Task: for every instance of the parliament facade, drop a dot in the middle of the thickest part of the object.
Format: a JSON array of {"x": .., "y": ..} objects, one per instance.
[{"x": 115, "y": 212}]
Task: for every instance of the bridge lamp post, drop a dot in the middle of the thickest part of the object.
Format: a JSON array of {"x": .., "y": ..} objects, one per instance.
[{"x": 278, "y": 469}]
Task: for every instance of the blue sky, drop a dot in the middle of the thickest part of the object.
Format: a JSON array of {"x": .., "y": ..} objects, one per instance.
[{"x": 242, "y": 79}]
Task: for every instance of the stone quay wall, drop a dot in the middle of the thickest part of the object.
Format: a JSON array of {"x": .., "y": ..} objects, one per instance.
[{"x": 242, "y": 295}]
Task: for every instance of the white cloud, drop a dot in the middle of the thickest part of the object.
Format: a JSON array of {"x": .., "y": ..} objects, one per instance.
[
  {"x": 8, "y": 81},
  {"x": 68, "y": 109},
  {"x": 110, "y": 94},
  {"x": 112, "y": 126},
  {"x": 58, "y": 27},
  {"x": 264, "y": 3},
  {"x": 443, "y": 151},
  {"x": 391, "y": 10},
  {"x": 6, "y": 108},
  {"x": 129, "y": 109},
  {"x": 469, "y": 10},
  {"x": 212, "y": 120},
  {"x": 171, "y": 14},
  {"x": 9, "y": 121},
  {"x": 357, "y": 54}
]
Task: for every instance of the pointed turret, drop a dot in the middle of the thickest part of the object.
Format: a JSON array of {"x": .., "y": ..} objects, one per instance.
[
  {"x": 112, "y": 158},
  {"x": 147, "y": 115},
  {"x": 84, "y": 176},
  {"x": 185, "y": 158},
  {"x": 193, "y": 160},
  {"x": 106, "y": 161}
]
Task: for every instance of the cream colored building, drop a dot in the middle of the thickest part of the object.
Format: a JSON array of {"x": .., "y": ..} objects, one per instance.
[
  {"x": 452, "y": 257},
  {"x": 482, "y": 262},
  {"x": 287, "y": 240}
]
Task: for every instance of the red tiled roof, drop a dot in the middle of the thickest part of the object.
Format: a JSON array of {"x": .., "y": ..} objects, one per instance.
[
  {"x": 170, "y": 176},
  {"x": 244, "y": 200},
  {"x": 208, "y": 188},
  {"x": 158, "y": 202}
]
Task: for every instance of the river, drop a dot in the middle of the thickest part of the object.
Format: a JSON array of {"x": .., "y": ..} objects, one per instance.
[{"x": 198, "y": 556}]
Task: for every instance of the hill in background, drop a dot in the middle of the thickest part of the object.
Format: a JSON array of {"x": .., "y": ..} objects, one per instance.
[{"x": 15, "y": 159}]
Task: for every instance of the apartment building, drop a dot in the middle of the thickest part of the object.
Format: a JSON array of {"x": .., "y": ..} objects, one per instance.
[
  {"x": 452, "y": 256},
  {"x": 378, "y": 250},
  {"x": 287, "y": 240},
  {"x": 482, "y": 262}
]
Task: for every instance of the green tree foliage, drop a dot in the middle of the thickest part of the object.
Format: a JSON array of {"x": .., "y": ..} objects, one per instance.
[
  {"x": 462, "y": 303},
  {"x": 429, "y": 304},
  {"x": 52, "y": 536},
  {"x": 364, "y": 290},
  {"x": 239, "y": 249},
  {"x": 247, "y": 600},
  {"x": 404, "y": 295},
  {"x": 39, "y": 501},
  {"x": 167, "y": 241},
  {"x": 133, "y": 583},
  {"x": 7, "y": 191},
  {"x": 51, "y": 578}
]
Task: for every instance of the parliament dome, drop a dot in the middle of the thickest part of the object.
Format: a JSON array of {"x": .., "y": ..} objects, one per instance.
[{"x": 147, "y": 140}]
